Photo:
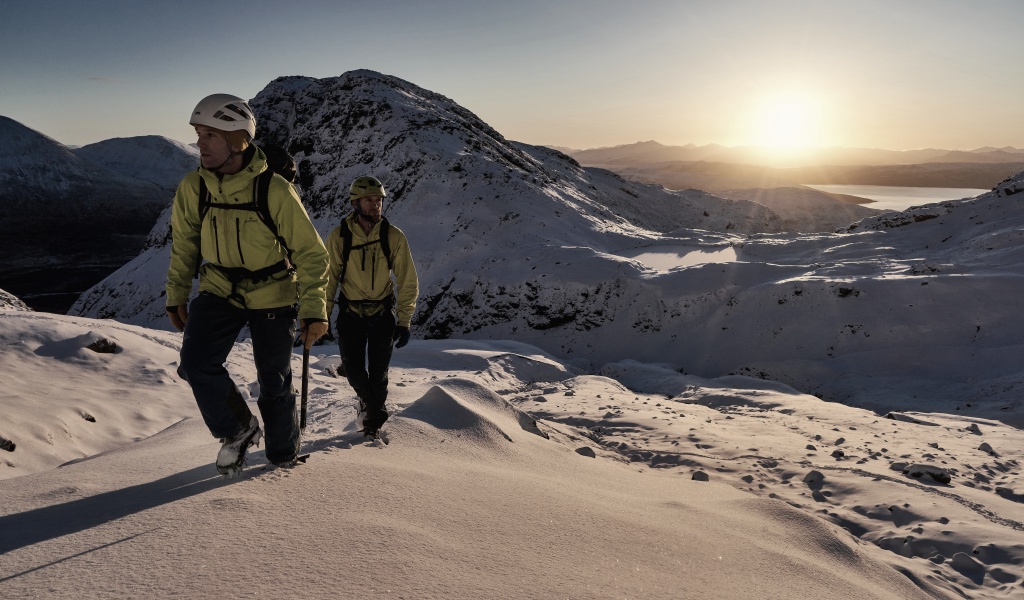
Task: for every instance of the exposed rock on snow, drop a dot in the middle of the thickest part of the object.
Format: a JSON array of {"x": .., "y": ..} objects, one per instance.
[
  {"x": 920, "y": 470},
  {"x": 9, "y": 301}
]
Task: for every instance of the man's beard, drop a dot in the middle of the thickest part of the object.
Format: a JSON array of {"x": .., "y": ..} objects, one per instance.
[{"x": 374, "y": 219}]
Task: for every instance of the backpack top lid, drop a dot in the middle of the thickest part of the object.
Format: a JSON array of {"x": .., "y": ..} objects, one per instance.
[{"x": 280, "y": 161}]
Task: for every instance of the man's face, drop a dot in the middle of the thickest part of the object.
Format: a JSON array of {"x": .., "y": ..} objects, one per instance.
[
  {"x": 371, "y": 207},
  {"x": 214, "y": 149}
]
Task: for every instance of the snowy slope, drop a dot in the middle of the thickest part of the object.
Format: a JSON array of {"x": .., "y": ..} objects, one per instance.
[
  {"x": 805, "y": 210},
  {"x": 637, "y": 482},
  {"x": 151, "y": 158}
]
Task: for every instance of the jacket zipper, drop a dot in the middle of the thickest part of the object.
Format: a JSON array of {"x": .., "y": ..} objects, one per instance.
[
  {"x": 238, "y": 239},
  {"x": 373, "y": 269},
  {"x": 216, "y": 237}
]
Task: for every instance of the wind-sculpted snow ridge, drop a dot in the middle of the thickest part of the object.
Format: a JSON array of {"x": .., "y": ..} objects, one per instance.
[
  {"x": 466, "y": 499},
  {"x": 472, "y": 416}
]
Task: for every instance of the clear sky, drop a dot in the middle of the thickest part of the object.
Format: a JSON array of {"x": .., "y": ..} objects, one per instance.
[{"x": 898, "y": 74}]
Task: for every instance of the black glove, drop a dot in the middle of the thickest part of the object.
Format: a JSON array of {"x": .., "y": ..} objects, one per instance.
[{"x": 401, "y": 336}]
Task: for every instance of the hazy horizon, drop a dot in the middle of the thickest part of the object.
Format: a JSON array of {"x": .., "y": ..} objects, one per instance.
[
  {"x": 787, "y": 149},
  {"x": 576, "y": 73}
]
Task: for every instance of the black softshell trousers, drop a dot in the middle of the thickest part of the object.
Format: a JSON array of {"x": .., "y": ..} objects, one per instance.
[
  {"x": 211, "y": 330},
  {"x": 366, "y": 347}
]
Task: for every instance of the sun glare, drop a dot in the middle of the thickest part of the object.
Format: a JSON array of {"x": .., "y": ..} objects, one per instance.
[{"x": 787, "y": 121}]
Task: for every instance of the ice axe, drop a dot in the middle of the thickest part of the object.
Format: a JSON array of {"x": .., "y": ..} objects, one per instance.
[{"x": 305, "y": 387}]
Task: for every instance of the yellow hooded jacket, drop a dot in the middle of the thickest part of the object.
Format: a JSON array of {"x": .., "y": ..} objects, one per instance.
[
  {"x": 367, "y": 277},
  {"x": 237, "y": 238}
]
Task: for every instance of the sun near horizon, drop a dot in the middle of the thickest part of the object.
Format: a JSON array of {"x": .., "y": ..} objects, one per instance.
[{"x": 786, "y": 121}]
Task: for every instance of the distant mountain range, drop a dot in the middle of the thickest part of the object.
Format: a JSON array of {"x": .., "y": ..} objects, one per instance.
[
  {"x": 719, "y": 169},
  {"x": 649, "y": 152}
]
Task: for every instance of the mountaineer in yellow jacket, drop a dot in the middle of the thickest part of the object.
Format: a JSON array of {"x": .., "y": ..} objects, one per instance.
[
  {"x": 252, "y": 275},
  {"x": 374, "y": 311}
]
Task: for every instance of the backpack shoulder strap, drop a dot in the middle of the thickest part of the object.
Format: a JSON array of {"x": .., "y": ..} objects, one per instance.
[
  {"x": 204, "y": 200},
  {"x": 204, "y": 207},
  {"x": 385, "y": 243},
  {"x": 346, "y": 245},
  {"x": 262, "y": 201}
]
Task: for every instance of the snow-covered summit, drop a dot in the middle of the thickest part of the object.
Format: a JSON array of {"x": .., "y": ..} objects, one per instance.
[
  {"x": 29, "y": 158},
  {"x": 443, "y": 165}
]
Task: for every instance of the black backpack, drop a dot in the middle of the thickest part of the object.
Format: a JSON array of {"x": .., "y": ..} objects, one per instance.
[{"x": 279, "y": 162}]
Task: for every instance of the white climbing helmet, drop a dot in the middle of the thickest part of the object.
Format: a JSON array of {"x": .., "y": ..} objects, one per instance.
[{"x": 225, "y": 112}]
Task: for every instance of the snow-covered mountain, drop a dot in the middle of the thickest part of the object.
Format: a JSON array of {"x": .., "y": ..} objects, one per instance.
[
  {"x": 650, "y": 152},
  {"x": 43, "y": 184},
  {"x": 432, "y": 153},
  {"x": 151, "y": 158},
  {"x": 65, "y": 221},
  {"x": 520, "y": 242},
  {"x": 463, "y": 194}
]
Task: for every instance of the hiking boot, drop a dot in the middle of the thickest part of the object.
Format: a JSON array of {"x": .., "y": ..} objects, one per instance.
[
  {"x": 232, "y": 454},
  {"x": 372, "y": 422},
  {"x": 287, "y": 464}
]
